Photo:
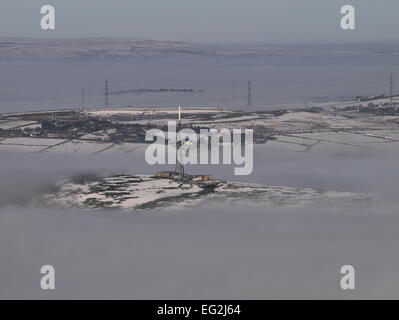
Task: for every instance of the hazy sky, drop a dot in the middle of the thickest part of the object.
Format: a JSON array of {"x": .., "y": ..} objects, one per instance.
[{"x": 215, "y": 21}]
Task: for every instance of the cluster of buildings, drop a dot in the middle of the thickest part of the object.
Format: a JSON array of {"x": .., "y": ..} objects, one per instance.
[{"x": 75, "y": 126}]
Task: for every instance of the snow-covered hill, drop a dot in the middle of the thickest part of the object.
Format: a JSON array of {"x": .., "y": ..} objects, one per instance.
[
  {"x": 140, "y": 192},
  {"x": 135, "y": 47}
]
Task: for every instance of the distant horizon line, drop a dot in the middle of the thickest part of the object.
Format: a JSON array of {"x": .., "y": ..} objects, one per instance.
[{"x": 262, "y": 44}]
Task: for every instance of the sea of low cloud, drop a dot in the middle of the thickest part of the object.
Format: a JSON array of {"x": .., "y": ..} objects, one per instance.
[
  {"x": 209, "y": 254},
  {"x": 230, "y": 252}
]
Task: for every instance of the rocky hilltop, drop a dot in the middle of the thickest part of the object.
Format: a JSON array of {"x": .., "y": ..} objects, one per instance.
[{"x": 142, "y": 192}]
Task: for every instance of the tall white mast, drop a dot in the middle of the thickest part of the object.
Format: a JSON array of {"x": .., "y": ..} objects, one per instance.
[{"x": 179, "y": 168}]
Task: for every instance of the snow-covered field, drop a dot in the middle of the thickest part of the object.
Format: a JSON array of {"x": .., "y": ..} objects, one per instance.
[
  {"x": 20, "y": 148},
  {"x": 81, "y": 146},
  {"x": 124, "y": 147},
  {"x": 308, "y": 121},
  {"x": 18, "y": 124},
  {"x": 66, "y": 146},
  {"x": 150, "y": 112},
  {"x": 297, "y": 131},
  {"x": 338, "y": 142},
  {"x": 32, "y": 141}
]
